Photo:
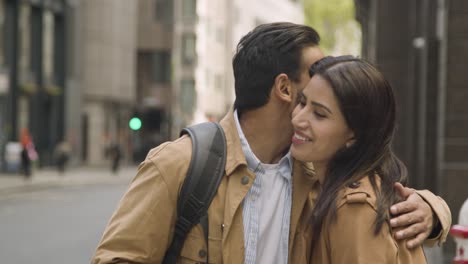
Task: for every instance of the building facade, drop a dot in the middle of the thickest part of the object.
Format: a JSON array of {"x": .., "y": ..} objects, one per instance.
[
  {"x": 78, "y": 71},
  {"x": 184, "y": 59},
  {"x": 221, "y": 24},
  {"x": 106, "y": 65},
  {"x": 33, "y": 73},
  {"x": 154, "y": 74},
  {"x": 421, "y": 46}
]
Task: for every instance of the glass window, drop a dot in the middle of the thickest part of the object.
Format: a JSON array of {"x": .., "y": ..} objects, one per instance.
[
  {"x": 236, "y": 15},
  {"x": 219, "y": 82},
  {"x": 161, "y": 66},
  {"x": 2, "y": 34},
  {"x": 164, "y": 11},
  {"x": 189, "y": 8},
  {"x": 25, "y": 74},
  {"x": 208, "y": 27},
  {"x": 188, "y": 48},
  {"x": 187, "y": 95},
  {"x": 48, "y": 47},
  {"x": 220, "y": 35},
  {"x": 207, "y": 78}
]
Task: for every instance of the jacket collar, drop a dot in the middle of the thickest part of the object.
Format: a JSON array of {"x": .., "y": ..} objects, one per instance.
[{"x": 235, "y": 155}]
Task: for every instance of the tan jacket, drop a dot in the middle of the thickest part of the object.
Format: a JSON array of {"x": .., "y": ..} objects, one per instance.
[
  {"x": 351, "y": 238},
  {"x": 141, "y": 228}
]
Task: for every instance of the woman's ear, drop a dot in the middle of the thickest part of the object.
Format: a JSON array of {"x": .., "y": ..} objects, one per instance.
[{"x": 282, "y": 88}]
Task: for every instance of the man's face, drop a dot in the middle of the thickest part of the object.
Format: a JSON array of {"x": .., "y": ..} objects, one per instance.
[{"x": 309, "y": 56}]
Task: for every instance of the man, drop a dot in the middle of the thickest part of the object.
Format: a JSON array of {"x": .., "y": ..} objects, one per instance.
[{"x": 262, "y": 209}]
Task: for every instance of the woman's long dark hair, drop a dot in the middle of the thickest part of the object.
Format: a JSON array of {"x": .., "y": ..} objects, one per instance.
[{"x": 367, "y": 102}]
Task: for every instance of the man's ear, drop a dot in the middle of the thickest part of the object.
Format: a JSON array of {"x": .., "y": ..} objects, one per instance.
[
  {"x": 350, "y": 142},
  {"x": 282, "y": 88}
]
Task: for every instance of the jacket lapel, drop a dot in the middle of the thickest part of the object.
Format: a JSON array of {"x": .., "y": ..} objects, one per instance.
[
  {"x": 302, "y": 185},
  {"x": 236, "y": 170}
]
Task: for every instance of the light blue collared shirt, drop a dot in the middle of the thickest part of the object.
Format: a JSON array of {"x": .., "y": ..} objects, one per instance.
[{"x": 266, "y": 208}]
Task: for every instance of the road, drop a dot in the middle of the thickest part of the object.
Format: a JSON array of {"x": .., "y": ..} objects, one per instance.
[
  {"x": 63, "y": 224},
  {"x": 57, "y": 225}
]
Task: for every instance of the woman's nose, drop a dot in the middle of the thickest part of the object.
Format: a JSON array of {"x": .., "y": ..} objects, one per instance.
[{"x": 298, "y": 120}]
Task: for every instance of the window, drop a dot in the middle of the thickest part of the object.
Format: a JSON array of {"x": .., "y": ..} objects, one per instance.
[
  {"x": 187, "y": 95},
  {"x": 208, "y": 26},
  {"x": 24, "y": 26},
  {"x": 2, "y": 34},
  {"x": 188, "y": 48},
  {"x": 207, "y": 78},
  {"x": 164, "y": 11},
  {"x": 48, "y": 47},
  {"x": 161, "y": 67},
  {"x": 189, "y": 9},
  {"x": 219, "y": 82},
  {"x": 236, "y": 15},
  {"x": 220, "y": 35}
]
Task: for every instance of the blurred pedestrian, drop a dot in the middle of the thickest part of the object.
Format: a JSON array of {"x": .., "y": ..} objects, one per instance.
[
  {"x": 25, "y": 162},
  {"x": 62, "y": 155},
  {"x": 28, "y": 153},
  {"x": 115, "y": 155}
]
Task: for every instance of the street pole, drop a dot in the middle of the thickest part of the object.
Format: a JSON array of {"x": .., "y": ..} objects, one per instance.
[
  {"x": 12, "y": 10},
  {"x": 40, "y": 105}
]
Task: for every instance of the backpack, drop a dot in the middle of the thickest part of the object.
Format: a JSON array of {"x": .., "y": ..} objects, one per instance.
[{"x": 201, "y": 183}]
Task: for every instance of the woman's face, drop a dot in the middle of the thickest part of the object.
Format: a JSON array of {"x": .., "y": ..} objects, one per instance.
[{"x": 320, "y": 127}]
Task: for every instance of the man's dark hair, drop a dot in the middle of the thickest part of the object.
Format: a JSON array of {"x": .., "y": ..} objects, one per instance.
[{"x": 263, "y": 54}]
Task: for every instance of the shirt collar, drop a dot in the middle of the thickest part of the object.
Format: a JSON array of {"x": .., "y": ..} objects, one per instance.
[{"x": 253, "y": 163}]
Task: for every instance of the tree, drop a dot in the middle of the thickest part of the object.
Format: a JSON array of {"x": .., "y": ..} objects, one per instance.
[{"x": 334, "y": 20}]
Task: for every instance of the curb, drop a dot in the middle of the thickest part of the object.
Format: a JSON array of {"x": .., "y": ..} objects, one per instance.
[
  {"x": 40, "y": 186},
  {"x": 47, "y": 179}
]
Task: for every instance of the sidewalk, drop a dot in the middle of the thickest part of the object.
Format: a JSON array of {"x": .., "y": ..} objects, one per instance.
[{"x": 49, "y": 177}]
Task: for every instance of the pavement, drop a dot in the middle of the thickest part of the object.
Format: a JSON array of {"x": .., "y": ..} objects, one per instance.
[{"x": 49, "y": 178}]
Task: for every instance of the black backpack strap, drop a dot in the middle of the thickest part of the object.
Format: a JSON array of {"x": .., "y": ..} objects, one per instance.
[{"x": 200, "y": 185}]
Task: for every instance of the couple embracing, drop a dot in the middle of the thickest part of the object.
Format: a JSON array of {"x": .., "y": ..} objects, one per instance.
[{"x": 310, "y": 175}]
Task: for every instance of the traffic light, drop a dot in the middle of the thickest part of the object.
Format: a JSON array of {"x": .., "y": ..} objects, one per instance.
[{"x": 135, "y": 123}]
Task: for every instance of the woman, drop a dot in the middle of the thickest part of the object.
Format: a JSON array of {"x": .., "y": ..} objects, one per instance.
[{"x": 344, "y": 124}]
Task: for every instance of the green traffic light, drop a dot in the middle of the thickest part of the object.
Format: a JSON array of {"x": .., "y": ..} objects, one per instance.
[{"x": 135, "y": 123}]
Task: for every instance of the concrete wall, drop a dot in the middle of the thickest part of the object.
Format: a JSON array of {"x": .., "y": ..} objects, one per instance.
[{"x": 109, "y": 41}]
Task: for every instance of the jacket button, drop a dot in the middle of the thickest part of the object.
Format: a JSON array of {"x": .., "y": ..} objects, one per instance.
[
  {"x": 202, "y": 253},
  {"x": 245, "y": 180},
  {"x": 354, "y": 185}
]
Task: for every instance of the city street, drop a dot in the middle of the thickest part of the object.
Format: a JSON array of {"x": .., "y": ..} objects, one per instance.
[
  {"x": 60, "y": 219},
  {"x": 59, "y": 224}
]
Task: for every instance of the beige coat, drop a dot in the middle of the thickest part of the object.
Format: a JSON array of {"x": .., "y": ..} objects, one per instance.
[
  {"x": 141, "y": 228},
  {"x": 351, "y": 238}
]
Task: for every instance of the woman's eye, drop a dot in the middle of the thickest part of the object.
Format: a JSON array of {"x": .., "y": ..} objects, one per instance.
[{"x": 319, "y": 115}]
